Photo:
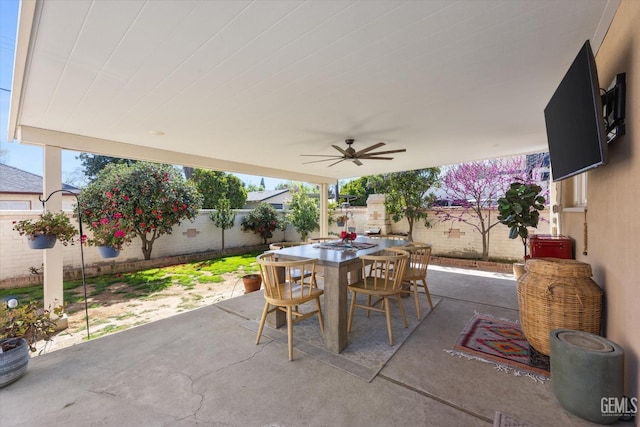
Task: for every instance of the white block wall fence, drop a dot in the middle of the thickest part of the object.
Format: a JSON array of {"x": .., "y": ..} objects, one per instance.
[{"x": 201, "y": 239}]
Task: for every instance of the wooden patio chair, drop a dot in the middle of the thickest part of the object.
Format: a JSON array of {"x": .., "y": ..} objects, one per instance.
[
  {"x": 415, "y": 275},
  {"x": 282, "y": 245},
  {"x": 382, "y": 279},
  {"x": 298, "y": 276},
  {"x": 283, "y": 293}
]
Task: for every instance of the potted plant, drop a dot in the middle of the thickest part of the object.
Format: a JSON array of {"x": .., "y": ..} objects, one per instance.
[
  {"x": 43, "y": 231},
  {"x": 21, "y": 327},
  {"x": 341, "y": 220},
  {"x": 110, "y": 234},
  {"x": 252, "y": 282},
  {"x": 520, "y": 209},
  {"x": 348, "y": 236}
]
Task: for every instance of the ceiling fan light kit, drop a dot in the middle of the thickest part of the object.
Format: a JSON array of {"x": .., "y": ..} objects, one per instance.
[{"x": 355, "y": 156}]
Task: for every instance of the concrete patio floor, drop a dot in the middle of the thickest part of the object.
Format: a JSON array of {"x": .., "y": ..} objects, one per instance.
[{"x": 203, "y": 368}]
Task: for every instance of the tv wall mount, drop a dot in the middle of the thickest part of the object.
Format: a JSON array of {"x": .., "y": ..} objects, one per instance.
[{"x": 613, "y": 108}]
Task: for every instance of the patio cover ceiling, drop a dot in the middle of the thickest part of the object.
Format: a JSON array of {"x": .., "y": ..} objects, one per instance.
[{"x": 250, "y": 86}]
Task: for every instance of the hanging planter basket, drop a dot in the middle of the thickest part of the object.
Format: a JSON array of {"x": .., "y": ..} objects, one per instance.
[
  {"x": 41, "y": 241},
  {"x": 108, "y": 251},
  {"x": 14, "y": 362}
]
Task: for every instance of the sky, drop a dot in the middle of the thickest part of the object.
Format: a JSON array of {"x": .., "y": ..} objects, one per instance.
[{"x": 30, "y": 157}]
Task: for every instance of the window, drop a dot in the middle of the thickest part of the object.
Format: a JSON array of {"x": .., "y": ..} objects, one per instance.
[{"x": 15, "y": 205}]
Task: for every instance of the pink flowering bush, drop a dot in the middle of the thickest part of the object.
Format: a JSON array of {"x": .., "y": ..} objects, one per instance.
[
  {"x": 263, "y": 220},
  {"x": 143, "y": 200}
]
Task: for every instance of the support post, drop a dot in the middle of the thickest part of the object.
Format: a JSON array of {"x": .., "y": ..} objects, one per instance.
[
  {"x": 52, "y": 180},
  {"x": 324, "y": 209}
]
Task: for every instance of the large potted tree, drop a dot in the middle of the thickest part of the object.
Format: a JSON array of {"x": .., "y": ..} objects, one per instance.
[{"x": 519, "y": 210}]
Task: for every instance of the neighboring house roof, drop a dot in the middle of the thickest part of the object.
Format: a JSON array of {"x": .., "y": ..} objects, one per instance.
[
  {"x": 14, "y": 180},
  {"x": 263, "y": 196}
]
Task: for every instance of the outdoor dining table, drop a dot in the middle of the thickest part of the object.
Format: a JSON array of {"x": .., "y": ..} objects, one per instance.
[{"x": 335, "y": 263}]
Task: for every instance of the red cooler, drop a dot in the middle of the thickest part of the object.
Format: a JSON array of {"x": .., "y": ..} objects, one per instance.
[{"x": 550, "y": 246}]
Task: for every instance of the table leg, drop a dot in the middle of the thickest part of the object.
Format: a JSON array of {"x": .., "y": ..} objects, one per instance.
[{"x": 335, "y": 308}]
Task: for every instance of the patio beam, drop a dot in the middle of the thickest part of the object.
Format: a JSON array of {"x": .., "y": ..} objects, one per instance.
[{"x": 67, "y": 141}]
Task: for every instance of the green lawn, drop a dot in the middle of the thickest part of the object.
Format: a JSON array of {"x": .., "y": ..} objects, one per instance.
[{"x": 145, "y": 283}]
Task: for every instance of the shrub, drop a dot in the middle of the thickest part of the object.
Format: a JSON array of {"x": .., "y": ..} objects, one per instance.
[{"x": 263, "y": 220}]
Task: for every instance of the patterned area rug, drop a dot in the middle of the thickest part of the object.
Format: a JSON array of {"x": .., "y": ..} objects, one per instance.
[
  {"x": 499, "y": 341},
  {"x": 368, "y": 349}
]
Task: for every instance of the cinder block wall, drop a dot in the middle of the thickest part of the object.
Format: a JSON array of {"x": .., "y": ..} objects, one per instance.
[
  {"x": 202, "y": 235},
  {"x": 448, "y": 239},
  {"x": 456, "y": 238}
]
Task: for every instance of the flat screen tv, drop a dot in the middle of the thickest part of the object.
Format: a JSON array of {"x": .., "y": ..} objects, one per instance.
[{"x": 576, "y": 129}]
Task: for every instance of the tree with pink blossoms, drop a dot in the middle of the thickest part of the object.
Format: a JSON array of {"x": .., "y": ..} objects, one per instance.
[{"x": 474, "y": 189}]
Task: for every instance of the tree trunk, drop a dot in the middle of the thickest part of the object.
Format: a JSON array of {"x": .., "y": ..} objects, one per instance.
[
  {"x": 223, "y": 240},
  {"x": 146, "y": 249},
  {"x": 410, "y": 236},
  {"x": 147, "y": 246},
  {"x": 485, "y": 235},
  {"x": 485, "y": 248}
]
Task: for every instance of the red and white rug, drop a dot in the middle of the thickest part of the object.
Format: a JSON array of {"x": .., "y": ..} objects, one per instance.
[{"x": 499, "y": 341}]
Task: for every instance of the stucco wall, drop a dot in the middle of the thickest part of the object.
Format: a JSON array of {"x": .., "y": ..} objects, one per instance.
[
  {"x": 613, "y": 204},
  {"x": 68, "y": 202}
]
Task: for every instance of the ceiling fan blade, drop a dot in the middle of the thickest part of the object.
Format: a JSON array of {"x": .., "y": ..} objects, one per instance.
[
  {"x": 341, "y": 150},
  {"x": 323, "y": 160},
  {"x": 341, "y": 160},
  {"x": 366, "y": 150},
  {"x": 321, "y": 155},
  {"x": 376, "y": 158},
  {"x": 357, "y": 162},
  {"x": 401, "y": 150}
]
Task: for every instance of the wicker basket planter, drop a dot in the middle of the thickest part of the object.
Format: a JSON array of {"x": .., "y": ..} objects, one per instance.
[{"x": 557, "y": 293}]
